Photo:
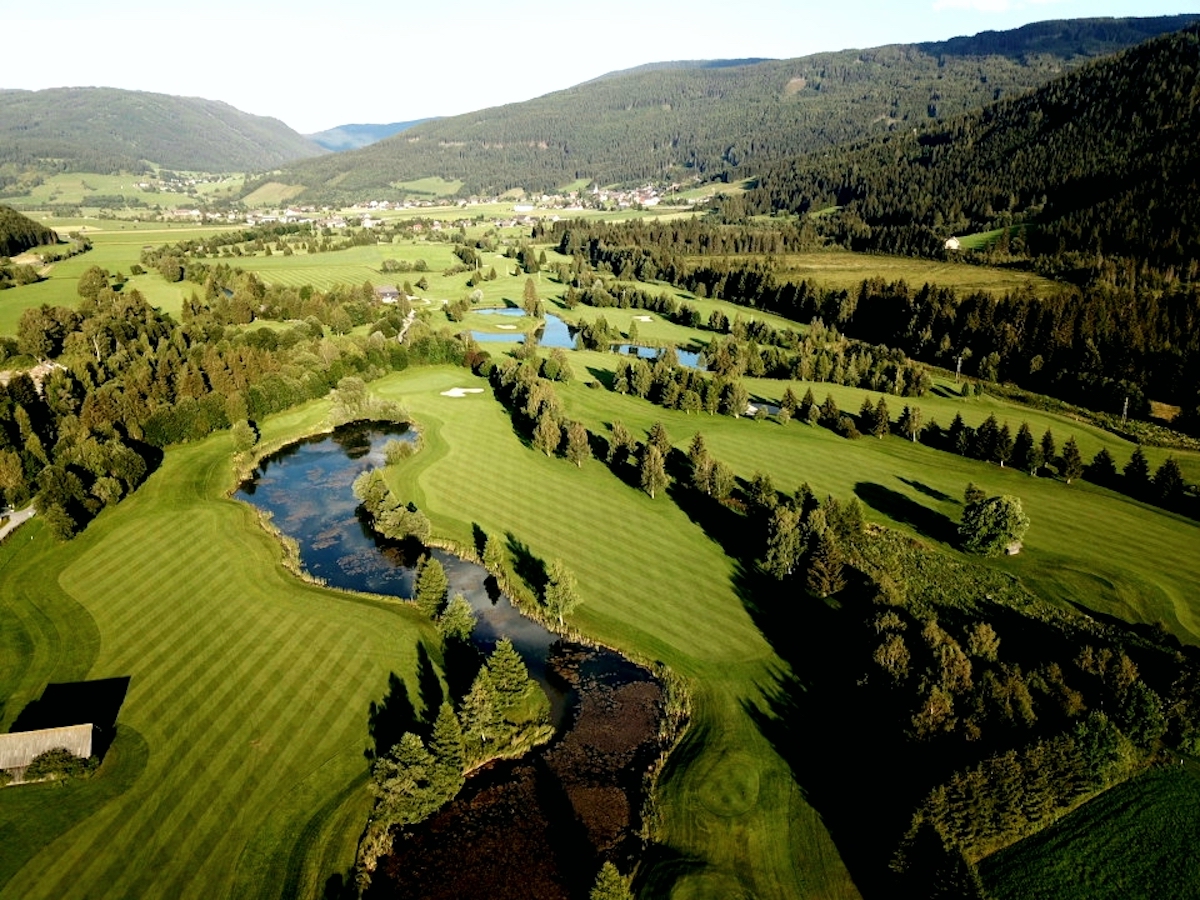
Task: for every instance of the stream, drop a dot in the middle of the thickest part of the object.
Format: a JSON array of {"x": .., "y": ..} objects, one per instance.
[{"x": 537, "y": 827}]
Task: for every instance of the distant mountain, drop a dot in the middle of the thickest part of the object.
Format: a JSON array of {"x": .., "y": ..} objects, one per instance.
[
  {"x": 351, "y": 137},
  {"x": 19, "y": 233},
  {"x": 1103, "y": 162},
  {"x": 108, "y": 130},
  {"x": 670, "y": 123},
  {"x": 680, "y": 64}
]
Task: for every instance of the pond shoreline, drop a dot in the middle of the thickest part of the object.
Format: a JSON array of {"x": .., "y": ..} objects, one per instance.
[{"x": 605, "y": 803}]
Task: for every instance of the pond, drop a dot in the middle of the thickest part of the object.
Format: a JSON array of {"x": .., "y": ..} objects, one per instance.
[
  {"x": 307, "y": 489},
  {"x": 537, "y": 827},
  {"x": 689, "y": 359},
  {"x": 553, "y": 333}
]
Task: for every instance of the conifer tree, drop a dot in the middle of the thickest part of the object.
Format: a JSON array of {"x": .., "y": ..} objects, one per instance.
[
  {"x": 1049, "y": 449},
  {"x": 480, "y": 714},
  {"x": 446, "y": 748},
  {"x": 881, "y": 422},
  {"x": 432, "y": 586},
  {"x": 610, "y": 885},
  {"x": 1168, "y": 483},
  {"x": 825, "y": 575},
  {"x": 1137, "y": 473},
  {"x": 495, "y": 557},
  {"x": 1102, "y": 469},
  {"x": 510, "y": 677},
  {"x": 1071, "y": 466},
  {"x": 457, "y": 620}
]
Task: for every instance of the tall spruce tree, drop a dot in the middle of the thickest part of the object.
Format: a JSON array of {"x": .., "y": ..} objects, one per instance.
[{"x": 432, "y": 586}]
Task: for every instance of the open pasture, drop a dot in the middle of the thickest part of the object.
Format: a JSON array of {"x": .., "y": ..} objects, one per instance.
[{"x": 116, "y": 245}]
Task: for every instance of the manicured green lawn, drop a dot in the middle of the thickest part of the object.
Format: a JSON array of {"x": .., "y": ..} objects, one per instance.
[{"x": 242, "y": 736}]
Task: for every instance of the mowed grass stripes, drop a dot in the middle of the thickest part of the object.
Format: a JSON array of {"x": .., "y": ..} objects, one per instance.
[
  {"x": 655, "y": 584},
  {"x": 250, "y": 689}
]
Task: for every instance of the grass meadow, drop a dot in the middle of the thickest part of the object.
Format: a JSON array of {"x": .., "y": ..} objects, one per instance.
[
  {"x": 116, "y": 245},
  {"x": 238, "y": 767},
  {"x": 844, "y": 269}
]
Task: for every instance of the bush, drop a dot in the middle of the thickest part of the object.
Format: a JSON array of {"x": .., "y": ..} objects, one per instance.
[
  {"x": 60, "y": 764},
  {"x": 990, "y": 526}
]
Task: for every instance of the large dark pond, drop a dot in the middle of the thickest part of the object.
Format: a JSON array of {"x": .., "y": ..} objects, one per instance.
[{"x": 568, "y": 805}]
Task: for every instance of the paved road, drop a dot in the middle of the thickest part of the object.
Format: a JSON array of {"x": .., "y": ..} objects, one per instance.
[{"x": 16, "y": 520}]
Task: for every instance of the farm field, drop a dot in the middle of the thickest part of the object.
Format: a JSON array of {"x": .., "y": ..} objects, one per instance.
[{"x": 240, "y": 742}]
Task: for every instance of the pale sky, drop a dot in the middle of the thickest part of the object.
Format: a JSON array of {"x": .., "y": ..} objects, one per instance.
[{"x": 320, "y": 64}]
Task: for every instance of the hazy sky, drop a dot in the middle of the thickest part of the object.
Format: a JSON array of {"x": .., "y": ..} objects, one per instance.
[{"x": 319, "y": 64}]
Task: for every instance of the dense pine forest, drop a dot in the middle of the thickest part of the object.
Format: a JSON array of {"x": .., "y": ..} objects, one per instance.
[
  {"x": 1095, "y": 169},
  {"x": 668, "y": 124},
  {"x": 19, "y": 233}
]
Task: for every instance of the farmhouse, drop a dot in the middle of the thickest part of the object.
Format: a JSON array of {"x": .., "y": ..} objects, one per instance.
[
  {"x": 387, "y": 293},
  {"x": 19, "y": 749}
]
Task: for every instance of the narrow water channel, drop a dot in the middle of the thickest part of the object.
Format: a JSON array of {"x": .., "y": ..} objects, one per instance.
[{"x": 537, "y": 827}]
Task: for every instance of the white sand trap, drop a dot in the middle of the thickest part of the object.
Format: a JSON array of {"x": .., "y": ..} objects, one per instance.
[
  {"x": 507, "y": 327},
  {"x": 643, "y": 318},
  {"x": 461, "y": 392}
]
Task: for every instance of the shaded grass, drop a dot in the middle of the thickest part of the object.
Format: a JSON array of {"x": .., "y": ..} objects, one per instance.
[{"x": 1136, "y": 840}]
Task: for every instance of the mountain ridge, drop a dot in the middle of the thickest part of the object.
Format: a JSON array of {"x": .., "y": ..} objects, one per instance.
[
  {"x": 103, "y": 129},
  {"x": 674, "y": 124}
]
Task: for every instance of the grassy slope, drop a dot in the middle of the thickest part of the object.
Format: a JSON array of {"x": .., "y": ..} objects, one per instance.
[
  {"x": 1143, "y": 567},
  {"x": 1136, "y": 841},
  {"x": 243, "y": 731},
  {"x": 655, "y": 584}
]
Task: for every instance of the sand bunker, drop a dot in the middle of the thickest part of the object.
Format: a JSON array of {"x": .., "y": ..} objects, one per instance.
[
  {"x": 643, "y": 318},
  {"x": 461, "y": 392}
]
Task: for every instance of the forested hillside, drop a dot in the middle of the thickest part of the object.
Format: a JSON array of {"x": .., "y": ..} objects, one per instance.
[
  {"x": 19, "y": 233},
  {"x": 670, "y": 123},
  {"x": 109, "y": 130},
  {"x": 1103, "y": 162}
]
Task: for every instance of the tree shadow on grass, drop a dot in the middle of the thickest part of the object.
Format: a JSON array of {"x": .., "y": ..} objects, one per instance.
[
  {"x": 940, "y": 496},
  {"x": 96, "y": 703},
  {"x": 429, "y": 685},
  {"x": 907, "y": 511},
  {"x": 528, "y": 567},
  {"x": 603, "y": 376},
  {"x": 388, "y": 719}
]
